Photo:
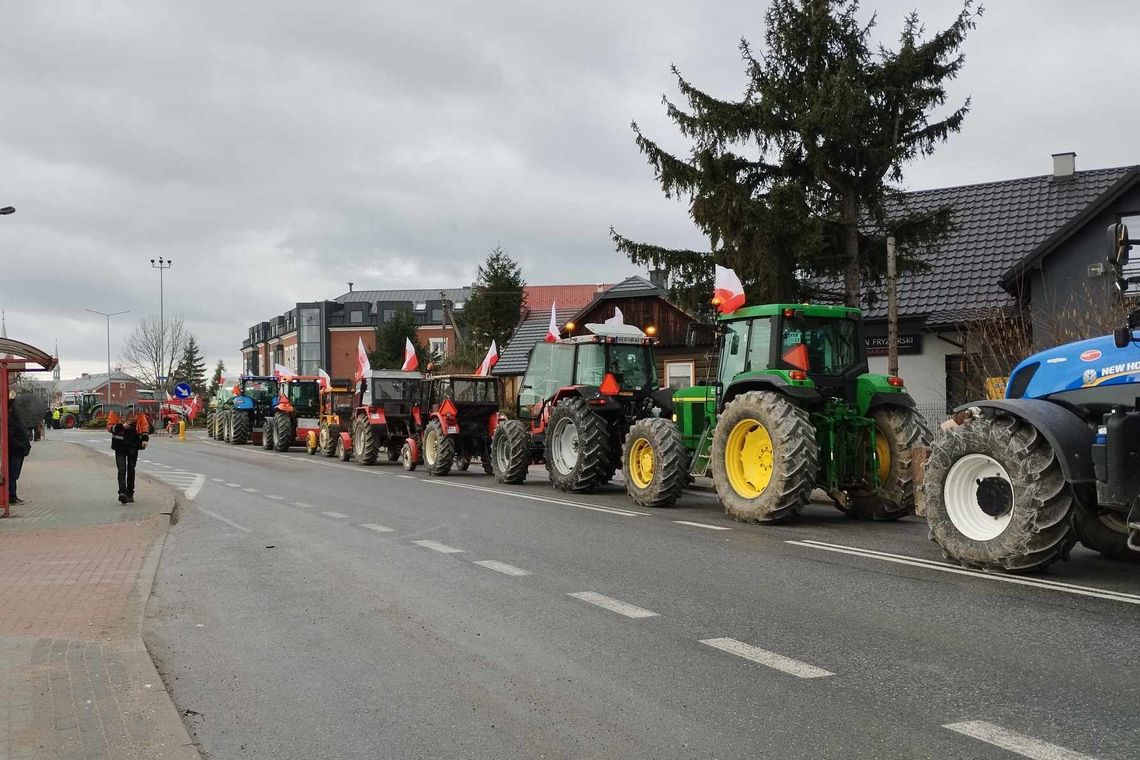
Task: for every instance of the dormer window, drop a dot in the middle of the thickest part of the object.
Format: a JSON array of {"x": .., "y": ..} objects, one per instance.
[{"x": 421, "y": 306}]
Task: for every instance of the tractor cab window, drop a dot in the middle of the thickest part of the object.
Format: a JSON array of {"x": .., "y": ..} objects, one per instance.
[
  {"x": 759, "y": 345},
  {"x": 631, "y": 365},
  {"x": 394, "y": 389},
  {"x": 591, "y": 364},
  {"x": 734, "y": 350},
  {"x": 259, "y": 390},
  {"x": 820, "y": 346},
  {"x": 303, "y": 394},
  {"x": 474, "y": 391}
]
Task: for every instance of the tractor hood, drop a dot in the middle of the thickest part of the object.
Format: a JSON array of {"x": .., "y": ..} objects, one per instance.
[{"x": 1090, "y": 364}]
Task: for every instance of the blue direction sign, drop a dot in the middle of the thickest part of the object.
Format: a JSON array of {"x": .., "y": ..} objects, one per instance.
[{"x": 183, "y": 390}]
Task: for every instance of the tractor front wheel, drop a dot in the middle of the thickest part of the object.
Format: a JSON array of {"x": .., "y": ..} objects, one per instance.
[
  {"x": 267, "y": 434},
  {"x": 578, "y": 448},
  {"x": 897, "y": 431},
  {"x": 764, "y": 458},
  {"x": 342, "y": 452},
  {"x": 365, "y": 445},
  {"x": 1105, "y": 532},
  {"x": 327, "y": 441},
  {"x": 407, "y": 461},
  {"x": 239, "y": 428},
  {"x": 439, "y": 449},
  {"x": 510, "y": 452},
  {"x": 655, "y": 463},
  {"x": 69, "y": 421},
  {"x": 995, "y": 496},
  {"x": 210, "y": 425},
  {"x": 282, "y": 432}
]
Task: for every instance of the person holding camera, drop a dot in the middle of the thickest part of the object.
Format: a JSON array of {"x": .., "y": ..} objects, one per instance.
[{"x": 128, "y": 437}]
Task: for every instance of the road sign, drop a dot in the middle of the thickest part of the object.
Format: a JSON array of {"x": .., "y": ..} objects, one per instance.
[{"x": 183, "y": 390}]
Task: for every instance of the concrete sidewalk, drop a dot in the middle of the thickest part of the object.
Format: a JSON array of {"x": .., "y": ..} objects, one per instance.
[{"x": 76, "y": 569}]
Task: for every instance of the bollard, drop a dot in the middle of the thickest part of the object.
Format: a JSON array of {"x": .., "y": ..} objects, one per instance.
[{"x": 182, "y": 430}]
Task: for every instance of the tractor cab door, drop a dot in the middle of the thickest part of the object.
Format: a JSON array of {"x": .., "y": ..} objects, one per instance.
[{"x": 550, "y": 367}]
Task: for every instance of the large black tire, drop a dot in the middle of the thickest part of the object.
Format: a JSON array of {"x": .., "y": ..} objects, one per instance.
[
  {"x": 326, "y": 442},
  {"x": 770, "y": 490},
  {"x": 655, "y": 463},
  {"x": 267, "y": 433},
  {"x": 578, "y": 447},
  {"x": 210, "y": 425},
  {"x": 282, "y": 431},
  {"x": 1104, "y": 532},
  {"x": 407, "y": 461},
  {"x": 365, "y": 445},
  {"x": 1017, "y": 520},
  {"x": 488, "y": 467},
  {"x": 510, "y": 452},
  {"x": 438, "y": 449},
  {"x": 239, "y": 427},
  {"x": 69, "y": 421},
  {"x": 897, "y": 431}
]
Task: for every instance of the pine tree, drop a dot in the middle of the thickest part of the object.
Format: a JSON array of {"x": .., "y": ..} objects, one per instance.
[
  {"x": 216, "y": 380},
  {"x": 496, "y": 302},
  {"x": 835, "y": 118},
  {"x": 390, "y": 339},
  {"x": 192, "y": 366}
]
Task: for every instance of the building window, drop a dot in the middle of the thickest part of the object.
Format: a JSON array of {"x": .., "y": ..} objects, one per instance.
[
  {"x": 421, "y": 306},
  {"x": 437, "y": 347},
  {"x": 679, "y": 374},
  {"x": 437, "y": 316},
  {"x": 460, "y": 305},
  {"x": 389, "y": 315},
  {"x": 356, "y": 316}
]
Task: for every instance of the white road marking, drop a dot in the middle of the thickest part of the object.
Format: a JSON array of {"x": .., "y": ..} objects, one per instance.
[
  {"x": 377, "y": 528},
  {"x": 226, "y": 520},
  {"x": 218, "y": 480},
  {"x": 613, "y": 605},
  {"x": 1026, "y": 746},
  {"x": 436, "y": 546},
  {"x": 302, "y": 505},
  {"x": 1068, "y": 588},
  {"x": 503, "y": 567},
  {"x": 337, "y": 515},
  {"x": 764, "y": 657},
  {"x": 407, "y": 477},
  {"x": 701, "y": 525},
  {"x": 274, "y": 497},
  {"x": 192, "y": 491},
  {"x": 546, "y": 499},
  {"x": 234, "y": 485},
  {"x": 250, "y": 490}
]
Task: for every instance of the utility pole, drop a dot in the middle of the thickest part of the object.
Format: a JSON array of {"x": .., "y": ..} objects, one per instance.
[
  {"x": 108, "y": 316},
  {"x": 161, "y": 265},
  {"x": 892, "y": 311}
]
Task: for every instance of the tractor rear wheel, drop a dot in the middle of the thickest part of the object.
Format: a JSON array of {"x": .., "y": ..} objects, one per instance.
[
  {"x": 897, "y": 431},
  {"x": 1104, "y": 532},
  {"x": 655, "y": 463},
  {"x": 282, "y": 431},
  {"x": 365, "y": 446},
  {"x": 578, "y": 447},
  {"x": 764, "y": 458},
  {"x": 239, "y": 428},
  {"x": 326, "y": 443},
  {"x": 996, "y": 498},
  {"x": 510, "y": 452},
  {"x": 267, "y": 434},
  {"x": 439, "y": 449}
]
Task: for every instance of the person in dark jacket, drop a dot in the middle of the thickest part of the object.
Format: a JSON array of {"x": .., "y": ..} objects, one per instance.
[
  {"x": 128, "y": 437},
  {"x": 19, "y": 446}
]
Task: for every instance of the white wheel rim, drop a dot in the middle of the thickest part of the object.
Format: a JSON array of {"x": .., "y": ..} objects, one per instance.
[
  {"x": 564, "y": 446},
  {"x": 960, "y": 494},
  {"x": 431, "y": 444}
]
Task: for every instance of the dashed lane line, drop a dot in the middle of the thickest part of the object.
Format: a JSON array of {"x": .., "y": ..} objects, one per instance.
[
  {"x": 226, "y": 520},
  {"x": 1026, "y": 746},
  {"x": 302, "y": 505},
  {"x": 377, "y": 528},
  {"x": 274, "y": 497},
  {"x": 436, "y": 546},
  {"x": 764, "y": 657},
  {"x": 613, "y": 605},
  {"x": 407, "y": 477},
  {"x": 503, "y": 567},
  {"x": 218, "y": 480},
  {"x": 337, "y": 515},
  {"x": 234, "y": 485},
  {"x": 701, "y": 525},
  {"x": 1068, "y": 588},
  {"x": 250, "y": 490},
  {"x": 545, "y": 499}
]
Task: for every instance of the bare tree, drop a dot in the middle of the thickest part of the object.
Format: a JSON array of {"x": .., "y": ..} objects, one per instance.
[{"x": 151, "y": 352}]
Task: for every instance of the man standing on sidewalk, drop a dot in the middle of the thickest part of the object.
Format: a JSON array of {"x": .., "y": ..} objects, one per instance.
[
  {"x": 127, "y": 438},
  {"x": 19, "y": 446}
]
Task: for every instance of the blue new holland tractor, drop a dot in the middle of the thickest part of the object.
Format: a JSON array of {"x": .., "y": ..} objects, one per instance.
[{"x": 1055, "y": 461}]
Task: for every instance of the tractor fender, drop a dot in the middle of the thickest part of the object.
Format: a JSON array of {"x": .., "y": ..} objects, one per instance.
[
  {"x": 798, "y": 393},
  {"x": 1070, "y": 436},
  {"x": 891, "y": 399}
]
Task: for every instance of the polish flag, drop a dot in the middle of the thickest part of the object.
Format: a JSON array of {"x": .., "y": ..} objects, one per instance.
[
  {"x": 196, "y": 407},
  {"x": 323, "y": 379},
  {"x": 489, "y": 360},
  {"x": 552, "y": 332},
  {"x": 617, "y": 319},
  {"x": 410, "y": 360},
  {"x": 280, "y": 371},
  {"x": 728, "y": 293},
  {"x": 363, "y": 366}
]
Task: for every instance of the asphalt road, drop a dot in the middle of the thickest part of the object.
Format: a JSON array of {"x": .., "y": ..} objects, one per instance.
[{"x": 311, "y": 609}]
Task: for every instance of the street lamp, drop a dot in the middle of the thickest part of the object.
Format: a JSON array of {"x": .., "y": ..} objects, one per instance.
[
  {"x": 108, "y": 316},
  {"x": 161, "y": 265}
]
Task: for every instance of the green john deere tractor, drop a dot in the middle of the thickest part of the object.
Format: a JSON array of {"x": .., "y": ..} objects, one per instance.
[{"x": 794, "y": 408}]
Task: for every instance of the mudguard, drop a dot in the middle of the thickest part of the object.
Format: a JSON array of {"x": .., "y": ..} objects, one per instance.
[
  {"x": 1071, "y": 437},
  {"x": 892, "y": 399},
  {"x": 346, "y": 439}
]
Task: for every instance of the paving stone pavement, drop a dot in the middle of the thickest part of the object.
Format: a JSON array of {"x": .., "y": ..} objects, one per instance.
[{"x": 76, "y": 568}]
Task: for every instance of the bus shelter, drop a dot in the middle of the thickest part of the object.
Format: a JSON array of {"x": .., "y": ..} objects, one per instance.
[{"x": 15, "y": 357}]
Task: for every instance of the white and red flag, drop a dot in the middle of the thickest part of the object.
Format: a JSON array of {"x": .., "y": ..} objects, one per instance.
[
  {"x": 411, "y": 362},
  {"x": 552, "y": 332},
  {"x": 323, "y": 379},
  {"x": 280, "y": 371},
  {"x": 489, "y": 360},
  {"x": 728, "y": 293},
  {"x": 196, "y": 406},
  {"x": 363, "y": 366}
]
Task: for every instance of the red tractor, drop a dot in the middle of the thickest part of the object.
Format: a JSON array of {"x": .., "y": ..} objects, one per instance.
[
  {"x": 464, "y": 412},
  {"x": 295, "y": 414},
  {"x": 387, "y": 413}
]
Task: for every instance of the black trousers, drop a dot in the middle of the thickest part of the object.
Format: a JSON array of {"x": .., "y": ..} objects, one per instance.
[{"x": 125, "y": 461}]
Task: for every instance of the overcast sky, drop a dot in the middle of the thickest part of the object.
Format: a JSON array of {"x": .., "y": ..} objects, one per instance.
[{"x": 276, "y": 149}]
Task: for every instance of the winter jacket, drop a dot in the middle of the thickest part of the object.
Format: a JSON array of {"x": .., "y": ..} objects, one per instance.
[
  {"x": 129, "y": 436},
  {"x": 19, "y": 445}
]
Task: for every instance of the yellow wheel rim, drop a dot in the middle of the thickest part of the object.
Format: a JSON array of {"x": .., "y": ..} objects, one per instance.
[
  {"x": 641, "y": 463},
  {"x": 883, "y": 454},
  {"x": 748, "y": 458}
]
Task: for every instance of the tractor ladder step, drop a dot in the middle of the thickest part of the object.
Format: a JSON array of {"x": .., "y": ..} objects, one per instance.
[{"x": 703, "y": 455}]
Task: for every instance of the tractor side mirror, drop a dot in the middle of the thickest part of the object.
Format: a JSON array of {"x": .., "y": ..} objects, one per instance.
[
  {"x": 1118, "y": 244},
  {"x": 1122, "y": 336}
]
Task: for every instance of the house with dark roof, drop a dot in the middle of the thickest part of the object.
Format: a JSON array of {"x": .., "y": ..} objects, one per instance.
[{"x": 1034, "y": 243}]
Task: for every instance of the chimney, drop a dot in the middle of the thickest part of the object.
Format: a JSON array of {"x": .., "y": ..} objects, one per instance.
[
  {"x": 84, "y": 375},
  {"x": 658, "y": 278},
  {"x": 599, "y": 287},
  {"x": 350, "y": 287},
  {"x": 1064, "y": 165}
]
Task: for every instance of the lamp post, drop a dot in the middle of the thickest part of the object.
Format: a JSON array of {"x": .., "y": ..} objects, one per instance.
[
  {"x": 108, "y": 316},
  {"x": 161, "y": 265}
]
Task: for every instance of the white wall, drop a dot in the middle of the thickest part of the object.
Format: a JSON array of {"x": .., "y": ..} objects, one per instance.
[{"x": 925, "y": 373}]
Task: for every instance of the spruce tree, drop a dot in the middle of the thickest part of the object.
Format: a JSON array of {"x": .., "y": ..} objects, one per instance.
[
  {"x": 798, "y": 182},
  {"x": 496, "y": 302},
  {"x": 390, "y": 339},
  {"x": 192, "y": 366},
  {"x": 216, "y": 379}
]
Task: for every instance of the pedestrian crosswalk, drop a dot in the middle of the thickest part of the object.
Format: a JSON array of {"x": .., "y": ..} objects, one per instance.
[{"x": 188, "y": 483}]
